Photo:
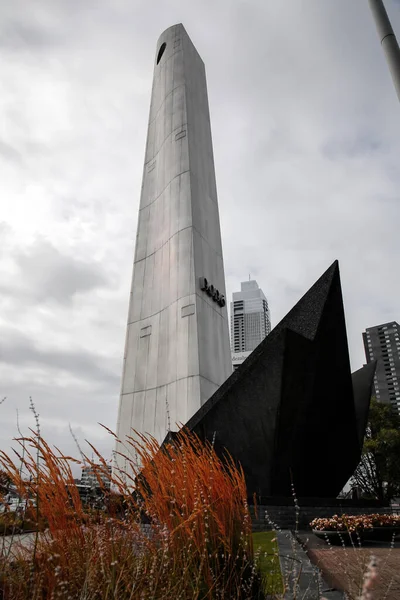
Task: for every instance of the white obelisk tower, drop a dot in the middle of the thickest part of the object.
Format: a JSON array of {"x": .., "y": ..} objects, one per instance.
[{"x": 177, "y": 350}]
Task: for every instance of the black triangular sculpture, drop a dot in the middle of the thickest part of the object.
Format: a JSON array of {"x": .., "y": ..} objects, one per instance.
[
  {"x": 288, "y": 414},
  {"x": 362, "y": 386}
]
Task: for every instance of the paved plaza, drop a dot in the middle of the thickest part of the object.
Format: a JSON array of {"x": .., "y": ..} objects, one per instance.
[
  {"x": 343, "y": 567},
  {"x": 11, "y": 545}
]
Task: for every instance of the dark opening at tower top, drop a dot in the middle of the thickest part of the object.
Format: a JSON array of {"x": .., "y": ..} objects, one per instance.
[{"x": 161, "y": 52}]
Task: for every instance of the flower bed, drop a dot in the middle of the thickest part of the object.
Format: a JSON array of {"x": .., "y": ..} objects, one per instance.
[
  {"x": 354, "y": 528},
  {"x": 353, "y": 523}
]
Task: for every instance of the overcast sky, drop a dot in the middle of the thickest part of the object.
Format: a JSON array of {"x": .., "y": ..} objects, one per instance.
[{"x": 306, "y": 130}]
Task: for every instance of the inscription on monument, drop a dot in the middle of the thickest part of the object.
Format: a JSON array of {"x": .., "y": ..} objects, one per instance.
[{"x": 212, "y": 291}]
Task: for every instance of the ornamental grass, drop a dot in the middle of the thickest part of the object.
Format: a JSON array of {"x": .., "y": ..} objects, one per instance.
[{"x": 197, "y": 542}]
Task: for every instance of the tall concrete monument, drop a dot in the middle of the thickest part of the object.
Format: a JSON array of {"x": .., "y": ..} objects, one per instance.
[
  {"x": 177, "y": 350},
  {"x": 388, "y": 40}
]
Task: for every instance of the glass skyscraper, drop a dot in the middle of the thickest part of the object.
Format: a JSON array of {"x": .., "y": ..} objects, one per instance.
[{"x": 250, "y": 320}]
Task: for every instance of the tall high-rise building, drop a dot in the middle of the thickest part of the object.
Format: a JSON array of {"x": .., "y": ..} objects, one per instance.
[
  {"x": 90, "y": 476},
  {"x": 382, "y": 343},
  {"x": 177, "y": 344},
  {"x": 250, "y": 321}
]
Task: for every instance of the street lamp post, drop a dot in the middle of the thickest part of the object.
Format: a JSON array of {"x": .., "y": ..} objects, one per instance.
[{"x": 388, "y": 40}]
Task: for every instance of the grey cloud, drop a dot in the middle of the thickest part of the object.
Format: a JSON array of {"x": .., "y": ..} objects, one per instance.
[
  {"x": 10, "y": 153},
  {"x": 46, "y": 273},
  {"x": 15, "y": 35},
  {"x": 57, "y": 408},
  {"x": 72, "y": 403},
  {"x": 19, "y": 350},
  {"x": 352, "y": 146}
]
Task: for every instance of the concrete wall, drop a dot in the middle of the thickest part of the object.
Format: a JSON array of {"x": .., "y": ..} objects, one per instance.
[{"x": 177, "y": 346}]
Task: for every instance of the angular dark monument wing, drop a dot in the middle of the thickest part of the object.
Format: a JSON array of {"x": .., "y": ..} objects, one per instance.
[{"x": 289, "y": 413}]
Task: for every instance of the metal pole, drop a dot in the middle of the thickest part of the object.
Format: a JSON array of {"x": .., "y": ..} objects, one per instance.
[{"x": 388, "y": 40}]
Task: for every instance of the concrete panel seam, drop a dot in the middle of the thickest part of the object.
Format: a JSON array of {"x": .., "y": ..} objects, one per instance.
[
  {"x": 206, "y": 241},
  {"x": 165, "y": 243},
  {"x": 172, "y": 236},
  {"x": 169, "y": 383},
  {"x": 194, "y": 176},
  {"x": 154, "y": 157},
  {"x": 182, "y": 85},
  {"x": 162, "y": 310},
  {"x": 196, "y": 293},
  {"x": 162, "y": 191}
]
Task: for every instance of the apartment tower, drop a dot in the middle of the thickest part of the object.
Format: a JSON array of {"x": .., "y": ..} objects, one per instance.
[{"x": 382, "y": 343}]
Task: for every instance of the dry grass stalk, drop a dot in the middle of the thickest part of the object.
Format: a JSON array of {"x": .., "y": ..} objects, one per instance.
[{"x": 200, "y": 545}]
